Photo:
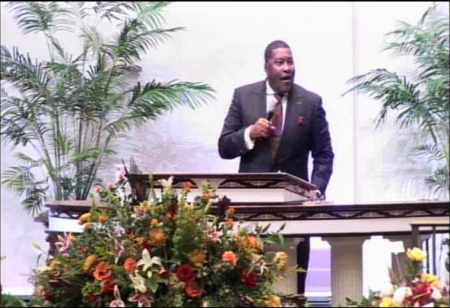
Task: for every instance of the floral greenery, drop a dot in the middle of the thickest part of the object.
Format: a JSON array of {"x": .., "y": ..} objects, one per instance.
[
  {"x": 164, "y": 253},
  {"x": 71, "y": 108},
  {"x": 421, "y": 99},
  {"x": 417, "y": 289}
]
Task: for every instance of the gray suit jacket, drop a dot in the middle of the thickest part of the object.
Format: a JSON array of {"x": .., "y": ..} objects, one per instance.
[{"x": 305, "y": 130}]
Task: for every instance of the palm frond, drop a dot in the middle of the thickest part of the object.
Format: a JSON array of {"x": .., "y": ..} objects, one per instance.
[
  {"x": 439, "y": 180},
  {"x": 34, "y": 200},
  {"x": 22, "y": 73},
  {"x": 150, "y": 13},
  {"x": 155, "y": 98},
  {"x": 30, "y": 162},
  {"x": 431, "y": 150},
  {"x": 134, "y": 40},
  {"x": 45, "y": 17},
  {"x": 19, "y": 124},
  {"x": 115, "y": 9}
]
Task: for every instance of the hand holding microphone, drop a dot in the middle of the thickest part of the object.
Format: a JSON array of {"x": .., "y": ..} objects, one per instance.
[{"x": 261, "y": 129}]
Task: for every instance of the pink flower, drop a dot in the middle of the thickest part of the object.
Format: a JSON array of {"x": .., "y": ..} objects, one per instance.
[
  {"x": 143, "y": 299},
  {"x": 213, "y": 235},
  {"x": 64, "y": 243},
  {"x": 117, "y": 302}
]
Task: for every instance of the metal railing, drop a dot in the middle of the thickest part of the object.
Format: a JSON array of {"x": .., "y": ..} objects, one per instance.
[{"x": 420, "y": 228}]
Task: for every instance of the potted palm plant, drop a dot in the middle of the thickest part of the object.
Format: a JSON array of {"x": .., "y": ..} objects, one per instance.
[
  {"x": 423, "y": 99},
  {"x": 71, "y": 108}
]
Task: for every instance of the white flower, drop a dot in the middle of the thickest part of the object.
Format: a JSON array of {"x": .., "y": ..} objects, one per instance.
[
  {"x": 167, "y": 184},
  {"x": 147, "y": 261},
  {"x": 436, "y": 295},
  {"x": 388, "y": 291},
  {"x": 400, "y": 295},
  {"x": 138, "y": 283}
]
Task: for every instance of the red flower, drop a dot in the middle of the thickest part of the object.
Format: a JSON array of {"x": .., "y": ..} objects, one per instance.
[
  {"x": 185, "y": 272},
  {"x": 108, "y": 285},
  {"x": 187, "y": 186},
  {"x": 421, "y": 294},
  {"x": 194, "y": 289},
  {"x": 93, "y": 299},
  {"x": 102, "y": 271},
  {"x": 300, "y": 121},
  {"x": 130, "y": 265},
  {"x": 249, "y": 278}
]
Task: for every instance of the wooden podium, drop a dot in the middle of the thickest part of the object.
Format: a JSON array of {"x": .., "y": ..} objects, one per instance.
[{"x": 280, "y": 198}]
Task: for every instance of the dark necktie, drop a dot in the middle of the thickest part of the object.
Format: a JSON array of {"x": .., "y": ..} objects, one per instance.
[{"x": 277, "y": 122}]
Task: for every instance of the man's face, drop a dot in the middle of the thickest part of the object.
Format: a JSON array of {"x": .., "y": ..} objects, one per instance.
[{"x": 280, "y": 70}]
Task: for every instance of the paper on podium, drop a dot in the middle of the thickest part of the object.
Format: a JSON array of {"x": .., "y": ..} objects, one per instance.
[
  {"x": 317, "y": 203},
  {"x": 397, "y": 247}
]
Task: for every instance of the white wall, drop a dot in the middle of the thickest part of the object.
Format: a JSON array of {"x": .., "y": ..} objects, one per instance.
[{"x": 223, "y": 46}]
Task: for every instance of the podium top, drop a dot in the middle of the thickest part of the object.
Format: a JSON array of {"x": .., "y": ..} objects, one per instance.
[{"x": 253, "y": 179}]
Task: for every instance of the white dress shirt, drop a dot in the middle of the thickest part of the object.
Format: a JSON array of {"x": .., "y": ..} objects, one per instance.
[{"x": 271, "y": 101}]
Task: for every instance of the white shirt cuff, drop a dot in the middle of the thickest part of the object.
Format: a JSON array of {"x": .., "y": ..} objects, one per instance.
[{"x": 248, "y": 141}]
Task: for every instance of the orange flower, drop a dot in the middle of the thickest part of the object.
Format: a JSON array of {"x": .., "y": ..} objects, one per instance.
[
  {"x": 169, "y": 216},
  {"x": 98, "y": 190},
  {"x": 102, "y": 271},
  {"x": 157, "y": 237},
  {"x": 130, "y": 265},
  {"x": 254, "y": 243},
  {"x": 88, "y": 226},
  {"x": 187, "y": 186},
  {"x": 101, "y": 219},
  {"x": 197, "y": 257},
  {"x": 154, "y": 222},
  {"x": 111, "y": 186},
  {"x": 230, "y": 223},
  {"x": 229, "y": 256},
  {"x": 193, "y": 288},
  {"x": 84, "y": 218},
  {"x": 273, "y": 301},
  {"x": 231, "y": 210},
  {"x": 89, "y": 262},
  {"x": 206, "y": 196}
]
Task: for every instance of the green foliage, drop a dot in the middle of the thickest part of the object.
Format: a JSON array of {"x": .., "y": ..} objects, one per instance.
[
  {"x": 168, "y": 251},
  {"x": 71, "y": 108},
  {"x": 421, "y": 98}
]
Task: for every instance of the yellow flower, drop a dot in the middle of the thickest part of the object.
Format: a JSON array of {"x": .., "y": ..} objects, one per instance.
[
  {"x": 44, "y": 269},
  {"x": 387, "y": 302},
  {"x": 416, "y": 254},
  {"x": 157, "y": 237},
  {"x": 89, "y": 262},
  {"x": 54, "y": 263},
  {"x": 273, "y": 301},
  {"x": 140, "y": 240},
  {"x": 431, "y": 279},
  {"x": 281, "y": 260},
  {"x": 197, "y": 257},
  {"x": 40, "y": 290},
  {"x": 84, "y": 218}
]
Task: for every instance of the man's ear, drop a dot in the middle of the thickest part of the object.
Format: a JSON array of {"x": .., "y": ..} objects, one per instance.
[{"x": 265, "y": 67}]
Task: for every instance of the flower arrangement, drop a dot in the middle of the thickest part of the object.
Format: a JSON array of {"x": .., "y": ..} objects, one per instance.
[
  {"x": 417, "y": 289},
  {"x": 163, "y": 253}
]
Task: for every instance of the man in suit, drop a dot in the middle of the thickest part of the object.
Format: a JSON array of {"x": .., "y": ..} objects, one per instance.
[{"x": 274, "y": 124}]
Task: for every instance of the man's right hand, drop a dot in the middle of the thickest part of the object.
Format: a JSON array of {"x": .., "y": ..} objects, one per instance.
[{"x": 261, "y": 129}]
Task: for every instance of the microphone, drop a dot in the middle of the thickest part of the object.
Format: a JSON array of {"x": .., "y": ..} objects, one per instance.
[{"x": 270, "y": 108}]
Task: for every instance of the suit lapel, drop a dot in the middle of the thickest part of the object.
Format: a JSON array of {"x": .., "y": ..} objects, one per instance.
[
  {"x": 260, "y": 99},
  {"x": 295, "y": 107}
]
